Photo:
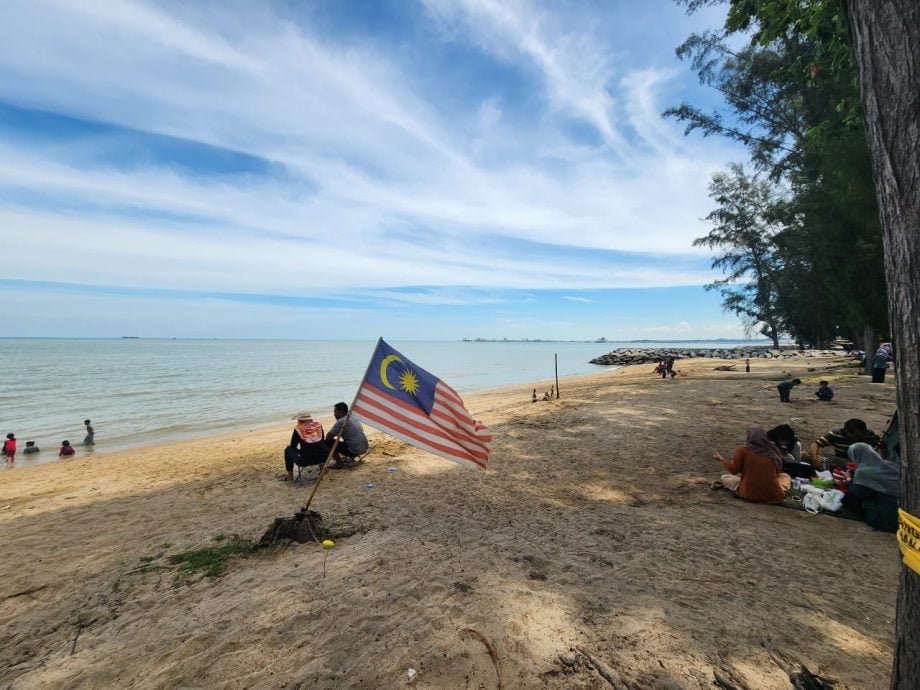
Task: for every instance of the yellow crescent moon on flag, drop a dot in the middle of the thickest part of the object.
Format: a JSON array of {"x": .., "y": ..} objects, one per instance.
[{"x": 383, "y": 369}]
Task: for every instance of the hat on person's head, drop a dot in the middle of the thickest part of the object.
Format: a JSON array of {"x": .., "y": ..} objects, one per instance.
[{"x": 303, "y": 417}]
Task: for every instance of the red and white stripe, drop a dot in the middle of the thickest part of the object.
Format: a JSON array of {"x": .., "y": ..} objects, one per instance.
[{"x": 449, "y": 431}]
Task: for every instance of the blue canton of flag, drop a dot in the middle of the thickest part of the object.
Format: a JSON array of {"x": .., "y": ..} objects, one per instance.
[{"x": 400, "y": 378}]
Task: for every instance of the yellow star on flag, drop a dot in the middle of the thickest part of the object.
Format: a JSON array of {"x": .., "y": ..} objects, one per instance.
[{"x": 408, "y": 381}]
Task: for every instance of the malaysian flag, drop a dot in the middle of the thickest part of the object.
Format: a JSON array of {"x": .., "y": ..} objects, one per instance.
[{"x": 405, "y": 401}]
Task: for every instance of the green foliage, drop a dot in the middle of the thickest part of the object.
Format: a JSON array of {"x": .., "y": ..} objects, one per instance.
[
  {"x": 743, "y": 226},
  {"x": 822, "y": 24},
  {"x": 793, "y": 100},
  {"x": 767, "y": 117},
  {"x": 212, "y": 560}
]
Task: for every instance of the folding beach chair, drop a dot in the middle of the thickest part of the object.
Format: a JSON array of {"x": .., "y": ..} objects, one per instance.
[
  {"x": 315, "y": 454},
  {"x": 351, "y": 461}
]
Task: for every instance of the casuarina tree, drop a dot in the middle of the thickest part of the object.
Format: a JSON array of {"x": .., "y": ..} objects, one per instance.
[{"x": 743, "y": 229}]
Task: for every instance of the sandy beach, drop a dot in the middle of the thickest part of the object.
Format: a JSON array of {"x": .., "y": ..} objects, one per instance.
[{"x": 591, "y": 554}]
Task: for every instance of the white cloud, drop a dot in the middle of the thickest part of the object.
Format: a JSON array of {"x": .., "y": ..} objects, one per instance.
[
  {"x": 726, "y": 328},
  {"x": 365, "y": 155}
]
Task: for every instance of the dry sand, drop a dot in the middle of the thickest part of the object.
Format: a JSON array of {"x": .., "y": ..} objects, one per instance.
[{"x": 592, "y": 546}]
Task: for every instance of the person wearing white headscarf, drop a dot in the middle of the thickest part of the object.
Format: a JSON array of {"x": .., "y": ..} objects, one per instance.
[{"x": 873, "y": 490}]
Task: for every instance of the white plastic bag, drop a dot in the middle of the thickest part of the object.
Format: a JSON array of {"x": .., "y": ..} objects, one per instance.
[
  {"x": 811, "y": 501},
  {"x": 832, "y": 500}
]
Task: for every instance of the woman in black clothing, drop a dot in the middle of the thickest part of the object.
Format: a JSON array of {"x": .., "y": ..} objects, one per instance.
[
  {"x": 783, "y": 436},
  {"x": 306, "y": 447}
]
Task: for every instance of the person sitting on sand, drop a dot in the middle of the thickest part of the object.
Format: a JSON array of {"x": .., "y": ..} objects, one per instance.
[
  {"x": 306, "y": 447},
  {"x": 785, "y": 388},
  {"x": 824, "y": 392},
  {"x": 547, "y": 396},
  {"x": 66, "y": 449},
  {"x": 30, "y": 448},
  {"x": 352, "y": 441},
  {"x": 873, "y": 491},
  {"x": 783, "y": 436},
  {"x": 853, "y": 431},
  {"x": 755, "y": 471}
]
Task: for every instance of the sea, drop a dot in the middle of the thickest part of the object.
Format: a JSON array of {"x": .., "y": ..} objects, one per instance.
[{"x": 140, "y": 392}]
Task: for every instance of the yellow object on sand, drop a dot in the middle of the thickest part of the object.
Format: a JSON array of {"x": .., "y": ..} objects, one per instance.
[
  {"x": 909, "y": 539},
  {"x": 328, "y": 543}
]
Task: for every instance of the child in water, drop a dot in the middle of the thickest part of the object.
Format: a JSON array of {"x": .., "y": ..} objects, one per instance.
[
  {"x": 9, "y": 447},
  {"x": 66, "y": 449}
]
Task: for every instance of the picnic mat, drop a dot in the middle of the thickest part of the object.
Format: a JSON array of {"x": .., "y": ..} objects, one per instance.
[{"x": 844, "y": 513}]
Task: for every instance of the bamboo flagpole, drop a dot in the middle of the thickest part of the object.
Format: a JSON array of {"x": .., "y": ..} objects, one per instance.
[{"x": 335, "y": 441}]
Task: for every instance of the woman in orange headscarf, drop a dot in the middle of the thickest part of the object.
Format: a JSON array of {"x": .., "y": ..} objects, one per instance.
[
  {"x": 306, "y": 447},
  {"x": 756, "y": 469}
]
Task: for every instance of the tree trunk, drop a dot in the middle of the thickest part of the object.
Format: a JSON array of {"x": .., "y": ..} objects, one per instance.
[
  {"x": 887, "y": 40},
  {"x": 869, "y": 347}
]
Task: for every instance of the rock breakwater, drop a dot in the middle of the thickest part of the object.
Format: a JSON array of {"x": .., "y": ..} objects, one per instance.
[{"x": 641, "y": 355}]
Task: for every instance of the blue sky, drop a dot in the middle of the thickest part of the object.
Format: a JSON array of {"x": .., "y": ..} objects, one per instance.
[{"x": 419, "y": 170}]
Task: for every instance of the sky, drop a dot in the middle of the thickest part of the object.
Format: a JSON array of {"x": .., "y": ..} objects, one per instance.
[{"x": 333, "y": 169}]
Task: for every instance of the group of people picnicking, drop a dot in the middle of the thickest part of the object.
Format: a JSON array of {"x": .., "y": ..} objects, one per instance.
[
  {"x": 547, "y": 395},
  {"x": 763, "y": 469},
  {"x": 310, "y": 446},
  {"x": 665, "y": 367},
  {"x": 66, "y": 449}
]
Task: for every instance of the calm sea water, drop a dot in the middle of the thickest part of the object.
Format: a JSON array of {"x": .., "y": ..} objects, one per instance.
[{"x": 140, "y": 392}]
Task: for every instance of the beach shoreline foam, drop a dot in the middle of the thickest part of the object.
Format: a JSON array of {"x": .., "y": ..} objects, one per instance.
[{"x": 593, "y": 535}]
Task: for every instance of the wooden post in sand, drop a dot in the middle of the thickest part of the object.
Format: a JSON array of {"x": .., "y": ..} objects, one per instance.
[{"x": 556, "y": 357}]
